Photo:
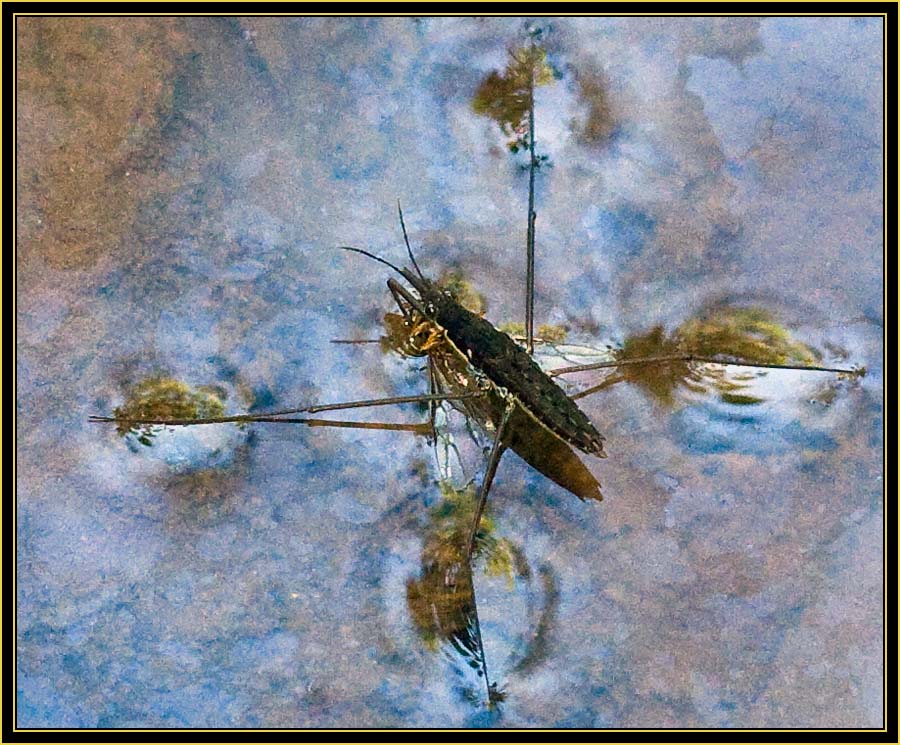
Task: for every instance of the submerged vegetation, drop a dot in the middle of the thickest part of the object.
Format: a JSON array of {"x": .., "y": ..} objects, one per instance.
[
  {"x": 508, "y": 97},
  {"x": 546, "y": 332},
  {"x": 462, "y": 291}
]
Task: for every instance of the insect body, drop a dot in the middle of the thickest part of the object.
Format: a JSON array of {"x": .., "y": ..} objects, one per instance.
[
  {"x": 508, "y": 366},
  {"x": 468, "y": 353}
]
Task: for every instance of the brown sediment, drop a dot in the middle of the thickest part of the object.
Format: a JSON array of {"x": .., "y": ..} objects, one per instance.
[
  {"x": 600, "y": 121},
  {"x": 93, "y": 96}
]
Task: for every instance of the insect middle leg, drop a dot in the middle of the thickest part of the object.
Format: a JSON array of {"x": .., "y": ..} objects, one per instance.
[
  {"x": 274, "y": 417},
  {"x": 497, "y": 451}
]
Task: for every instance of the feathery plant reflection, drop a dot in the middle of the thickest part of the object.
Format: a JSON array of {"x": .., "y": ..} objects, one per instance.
[
  {"x": 507, "y": 97},
  {"x": 750, "y": 334},
  {"x": 441, "y": 601}
]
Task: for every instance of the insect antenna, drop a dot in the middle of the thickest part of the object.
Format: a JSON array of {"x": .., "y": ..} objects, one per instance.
[
  {"x": 406, "y": 240},
  {"x": 373, "y": 256}
]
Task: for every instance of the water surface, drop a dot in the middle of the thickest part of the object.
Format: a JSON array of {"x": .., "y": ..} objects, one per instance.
[{"x": 183, "y": 185}]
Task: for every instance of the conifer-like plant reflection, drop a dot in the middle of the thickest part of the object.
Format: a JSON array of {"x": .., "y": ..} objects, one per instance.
[{"x": 442, "y": 601}]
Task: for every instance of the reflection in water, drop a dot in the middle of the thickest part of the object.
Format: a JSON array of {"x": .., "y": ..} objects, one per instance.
[
  {"x": 505, "y": 97},
  {"x": 181, "y": 182},
  {"x": 600, "y": 122},
  {"x": 442, "y": 600}
]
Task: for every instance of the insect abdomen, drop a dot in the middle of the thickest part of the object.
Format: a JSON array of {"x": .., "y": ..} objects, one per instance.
[{"x": 509, "y": 366}]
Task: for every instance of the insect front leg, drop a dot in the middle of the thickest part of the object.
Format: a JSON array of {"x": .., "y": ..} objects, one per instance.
[{"x": 402, "y": 304}]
